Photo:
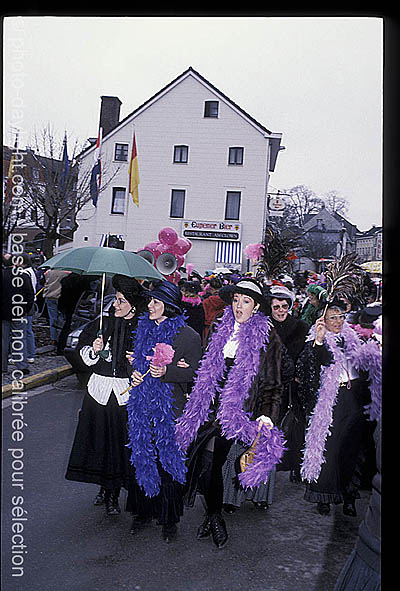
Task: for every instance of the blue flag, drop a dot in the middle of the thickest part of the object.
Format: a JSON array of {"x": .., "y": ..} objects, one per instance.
[
  {"x": 65, "y": 165},
  {"x": 95, "y": 177}
]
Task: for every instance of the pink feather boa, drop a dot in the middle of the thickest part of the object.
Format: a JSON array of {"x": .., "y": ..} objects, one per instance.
[{"x": 364, "y": 356}]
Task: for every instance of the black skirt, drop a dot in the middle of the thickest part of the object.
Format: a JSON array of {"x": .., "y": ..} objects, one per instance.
[
  {"x": 166, "y": 507},
  {"x": 99, "y": 454},
  {"x": 339, "y": 476}
]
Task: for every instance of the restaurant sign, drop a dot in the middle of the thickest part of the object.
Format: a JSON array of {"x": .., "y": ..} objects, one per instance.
[{"x": 203, "y": 230}]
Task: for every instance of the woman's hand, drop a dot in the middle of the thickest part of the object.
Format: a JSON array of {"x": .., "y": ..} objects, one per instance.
[
  {"x": 136, "y": 378},
  {"x": 265, "y": 421},
  {"x": 98, "y": 345},
  {"x": 129, "y": 356},
  {"x": 320, "y": 329},
  {"x": 157, "y": 372},
  {"x": 182, "y": 363}
]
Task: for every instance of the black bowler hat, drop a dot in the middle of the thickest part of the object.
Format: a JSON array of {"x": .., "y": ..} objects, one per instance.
[
  {"x": 249, "y": 287},
  {"x": 167, "y": 292}
]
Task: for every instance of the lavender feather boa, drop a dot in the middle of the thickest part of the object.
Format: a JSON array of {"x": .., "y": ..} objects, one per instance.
[
  {"x": 235, "y": 422},
  {"x": 363, "y": 356}
]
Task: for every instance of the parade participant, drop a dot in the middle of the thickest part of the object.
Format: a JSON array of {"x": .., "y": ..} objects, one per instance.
[
  {"x": 236, "y": 393},
  {"x": 316, "y": 297},
  {"x": 99, "y": 454},
  {"x": 213, "y": 305},
  {"x": 292, "y": 332},
  {"x": 158, "y": 469},
  {"x": 193, "y": 305},
  {"x": 339, "y": 379},
  {"x": 262, "y": 496}
]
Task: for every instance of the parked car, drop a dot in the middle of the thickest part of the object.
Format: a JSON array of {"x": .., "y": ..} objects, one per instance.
[{"x": 86, "y": 313}]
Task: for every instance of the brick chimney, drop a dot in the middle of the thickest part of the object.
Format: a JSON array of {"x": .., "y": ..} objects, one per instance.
[{"x": 109, "y": 113}]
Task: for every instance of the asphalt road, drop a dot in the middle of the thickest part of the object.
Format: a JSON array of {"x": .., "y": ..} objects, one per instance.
[{"x": 62, "y": 542}]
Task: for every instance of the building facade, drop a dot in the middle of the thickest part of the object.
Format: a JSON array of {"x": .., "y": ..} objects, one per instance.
[
  {"x": 369, "y": 244},
  {"x": 204, "y": 167}
]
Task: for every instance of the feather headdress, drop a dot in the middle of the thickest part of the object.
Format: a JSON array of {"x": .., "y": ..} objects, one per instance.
[
  {"x": 277, "y": 251},
  {"x": 343, "y": 277}
]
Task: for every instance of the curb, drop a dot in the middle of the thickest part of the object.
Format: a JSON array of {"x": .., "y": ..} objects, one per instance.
[{"x": 45, "y": 377}]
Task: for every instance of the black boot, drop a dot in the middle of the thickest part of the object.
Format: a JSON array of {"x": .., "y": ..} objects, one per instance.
[
  {"x": 204, "y": 530},
  {"x": 229, "y": 508},
  {"x": 323, "y": 508},
  {"x": 111, "y": 501},
  {"x": 349, "y": 508},
  {"x": 99, "y": 498},
  {"x": 261, "y": 505},
  {"x": 218, "y": 530},
  {"x": 169, "y": 532}
]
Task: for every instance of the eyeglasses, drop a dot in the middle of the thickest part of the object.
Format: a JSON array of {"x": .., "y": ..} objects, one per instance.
[
  {"x": 337, "y": 317},
  {"x": 276, "y": 307}
]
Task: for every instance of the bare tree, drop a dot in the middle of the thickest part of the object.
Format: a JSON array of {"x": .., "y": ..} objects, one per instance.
[
  {"x": 54, "y": 192},
  {"x": 336, "y": 203},
  {"x": 301, "y": 202}
]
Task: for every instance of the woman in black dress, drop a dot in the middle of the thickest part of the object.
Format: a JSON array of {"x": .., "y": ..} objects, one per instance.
[
  {"x": 99, "y": 454},
  {"x": 339, "y": 383}
]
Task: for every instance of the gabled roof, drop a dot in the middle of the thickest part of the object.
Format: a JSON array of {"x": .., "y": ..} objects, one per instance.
[
  {"x": 275, "y": 137},
  {"x": 371, "y": 232}
]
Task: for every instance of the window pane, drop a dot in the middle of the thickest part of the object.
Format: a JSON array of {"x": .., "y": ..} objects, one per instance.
[
  {"x": 177, "y": 203},
  {"x": 232, "y": 205},
  {"x": 211, "y": 109},
  {"x": 236, "y": 155},
  {"x": 118, "y": 201},
  {"x": 181, "y": 153},
  {"x": 121, "y": 152}
]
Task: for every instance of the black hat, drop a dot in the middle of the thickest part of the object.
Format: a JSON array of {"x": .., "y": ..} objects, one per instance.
[
  {"x": 167, "y": 292},
  {"x": 192, "y": 287},
  {"x": 249, "y": 287},
  {"x": 130, "y": 288}
]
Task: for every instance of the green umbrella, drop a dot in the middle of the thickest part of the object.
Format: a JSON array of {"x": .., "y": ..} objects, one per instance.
[
  {"x": 96, "y": 260},
  {"x": 101, "y": 260}
]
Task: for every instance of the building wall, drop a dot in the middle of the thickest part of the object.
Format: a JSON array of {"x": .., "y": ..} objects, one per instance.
[{"x": 175, "y": 119}]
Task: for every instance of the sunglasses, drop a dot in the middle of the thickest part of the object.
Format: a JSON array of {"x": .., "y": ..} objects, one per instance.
[{"x": 276, "y": 307}]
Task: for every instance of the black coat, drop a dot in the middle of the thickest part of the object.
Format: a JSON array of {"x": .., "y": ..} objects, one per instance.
[
  {"x": 293, "y": 332},
  {"x": 187, "y": 346},
  {"x": 17, "y": 293}
]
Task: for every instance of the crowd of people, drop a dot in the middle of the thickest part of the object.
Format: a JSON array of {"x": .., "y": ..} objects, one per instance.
[
  {"x": 211, "y": 386},
  {"x": 251, "y": 362}
]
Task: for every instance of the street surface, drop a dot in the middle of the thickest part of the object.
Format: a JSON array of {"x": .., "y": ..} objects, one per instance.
[{"x": 52, "y": 531}]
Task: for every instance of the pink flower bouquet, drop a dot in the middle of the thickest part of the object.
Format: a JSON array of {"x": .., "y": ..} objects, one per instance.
[{"x": 163, "y": 355}]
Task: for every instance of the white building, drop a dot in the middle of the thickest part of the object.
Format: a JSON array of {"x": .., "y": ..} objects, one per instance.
[{"x": 204, "y": 166}]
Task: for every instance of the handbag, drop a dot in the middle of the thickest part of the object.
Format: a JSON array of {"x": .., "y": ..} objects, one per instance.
[
  {"x": 247, "y": 456},
  {"x": 294, "y": 430}
]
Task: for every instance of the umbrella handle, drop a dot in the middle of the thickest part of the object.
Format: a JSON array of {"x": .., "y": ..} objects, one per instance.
[{"x": 101, "y": 302}]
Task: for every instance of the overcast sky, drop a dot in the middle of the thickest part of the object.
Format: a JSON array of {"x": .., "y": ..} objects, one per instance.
[{"x": 316, "y": 80}]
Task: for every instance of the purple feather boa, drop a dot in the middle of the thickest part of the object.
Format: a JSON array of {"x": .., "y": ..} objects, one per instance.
[
  {"x": 364, "y": 356},
  {"x": 235, "y": 422}
]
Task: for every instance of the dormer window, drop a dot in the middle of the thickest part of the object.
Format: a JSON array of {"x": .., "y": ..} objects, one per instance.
[{"x": 211, "y": 109}]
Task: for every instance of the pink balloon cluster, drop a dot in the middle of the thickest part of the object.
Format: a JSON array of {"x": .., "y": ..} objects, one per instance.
[{"x": 169, "y": 241}]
